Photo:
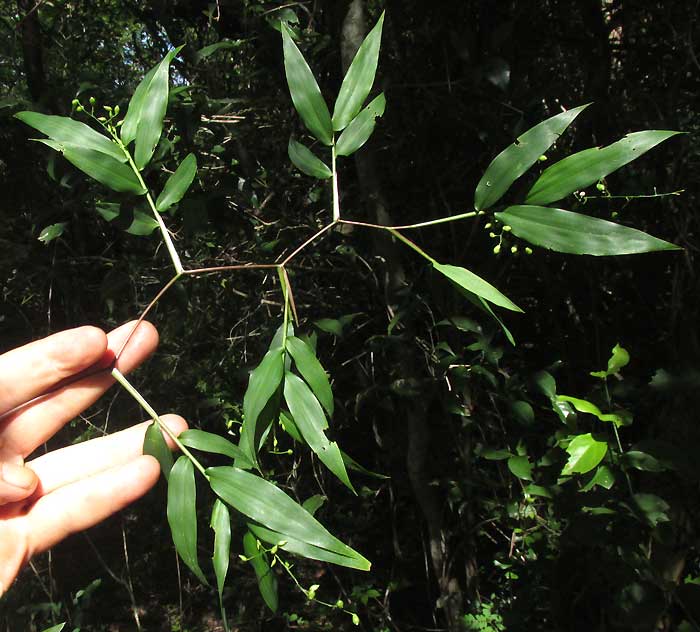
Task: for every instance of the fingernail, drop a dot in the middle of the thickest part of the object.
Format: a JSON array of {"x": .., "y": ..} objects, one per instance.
[{"x": 18, "y": 476}]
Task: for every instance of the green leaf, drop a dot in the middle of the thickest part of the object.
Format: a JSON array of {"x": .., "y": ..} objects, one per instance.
[
  {"x": 473, "y": 283},
  {"x": 652, "y": 507},
  {"x": 100, "y": 166},
  {"x": 311, "y": 422},
  {"x": 517, "y": 158},
  {"x": 52, "y": 232},
  {"x": 205, "y": 52},
  {"x": 221, "y": 524},
  {"x": 591, "y": 165},
  {"x": 262, "y": 385},
  {"x": 290, "y": 427},
  {"x": 267, "y": 582},
  {"x": 585, "y": 453},
  {"x": 545, "y": 382},
  {"x": 209, "y": 442},
  {"x": 361, "y": 127},
  {"x": 304, "y": 90},
  {"x": 108, "y": 210},
  {"x": 271, "y": 507},
  {"x": 523, "y": 412},
  {"x": 358, "y": 79},
  {"x": 178, "y": 183},
  {"x": 142, "y": 224},
  {"x": 182, "y": 513},
  {"x": 521, "y": 467},
  {"x": 155, "y": 445},
  {"x": 537, "y": 490},
  {"x": 55, "y": 628},
  {"x": 144, "y": 118},
  {"x": 65, "y": 130},
  {"x": 618, "y": 360},
  {"x": 584, "y": 406},
  {"x": 304, "y": 160},
  {"x": 495, "y": 455},
  {"x": 314, "y": 503},
  {"x": 353, "y": 465},
  {"x": 311, "y": 370},
  {"x": 604, "y": 477},
  {"x": 304, "y": 549},
  {"x": 643, "y": 461},
  {"x": 565, "y": 231}
]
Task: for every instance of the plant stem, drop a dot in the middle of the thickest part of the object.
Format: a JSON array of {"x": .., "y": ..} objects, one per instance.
[
  {"x": 432, "y": 222},
  {"x": 308, "y": 241},
  {"x": 129, "y": 388},
  {"x": 336, "y": 196},
  {"x": 410, "y": 244},
  {"x": 242, "y": 266}
]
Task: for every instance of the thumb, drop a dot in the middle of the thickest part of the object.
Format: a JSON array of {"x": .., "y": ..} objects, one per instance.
[{"x": 16, "y": 482}]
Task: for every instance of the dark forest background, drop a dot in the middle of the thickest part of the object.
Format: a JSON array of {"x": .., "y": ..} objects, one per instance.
[{"x": 457, "y": 540}]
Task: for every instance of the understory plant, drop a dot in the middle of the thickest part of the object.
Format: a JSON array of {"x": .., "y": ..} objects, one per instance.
[{"x": 289, "y": 391}]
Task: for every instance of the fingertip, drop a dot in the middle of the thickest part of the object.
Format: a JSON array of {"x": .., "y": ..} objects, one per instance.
[
  {"x": 132, "y": 342},
  {"x": 176, "y": 425},
  {"x": 75, "y": 349},
  {"x": 16, "y": 482}
]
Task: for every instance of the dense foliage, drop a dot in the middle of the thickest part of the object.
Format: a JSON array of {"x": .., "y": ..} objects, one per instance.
[{"x": 492, "y": 517}]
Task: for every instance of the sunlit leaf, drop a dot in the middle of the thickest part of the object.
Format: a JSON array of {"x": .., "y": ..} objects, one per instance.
[
  {"x": 361, "y": 127},
  {"x": 591, "y": 165},
  {"x": 584, "y": 406},
  {"x": 66, "y": 130},
  {"x": 267, "y": 582},
  {"x": 271, "y": 507},
  {"x": 573, "y": 233},
  {"x": 585, "y": 453},
  {"x": 305, "y": 93},
  {"x": 100, "y": 166},
  {"x": 304, "y": 160},
  {"x": 313, "y": 503},
  {"x": 51, "y": 232},
  {"x": 517, "y": 158},
  {"x": 311, "y": 422},
  {"x": 210, "y": 442},
  {"x": 263, "y": 383},
  {"x": 178, "y": 183},
  {"x": 311, "y": 370},
  {"x": 221, "y": 524},
  {"x": 473, "y": 283},
  {"x": 205, "y": 52},
  {"x": 603, "y": 477},
  {"x": 155, "y": 445},
  {"x": 358, "y": 79},
  {"x": 619, "y": 359},
  {"x": 182, "y": 513}
]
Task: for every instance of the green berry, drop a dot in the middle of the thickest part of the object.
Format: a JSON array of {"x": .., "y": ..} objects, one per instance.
[
  {"x": 80, "y": 108},
  {"x": 492, "y": 235},
  {"x": 75, "y": 102},
  {"x": 355, "y": 619},
  {"x": 528, "y": 251},
  {"x": 92, "y": 100},
  {"x": 600, "y": 186},
  {"x": 542, "y": 158},
  {"x": 514, "y": 249},
  {"x": 487, "y": 225},
  {"x": 497, "y": 249},
  {"x": 507, "y": 228},
  {"x": 339, "y": 604},
  {"x": 116, "y": 110}
]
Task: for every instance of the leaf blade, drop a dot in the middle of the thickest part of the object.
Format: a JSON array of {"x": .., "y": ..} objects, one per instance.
[
  {"x": 591, "y": 165},
  {"x": 359, "y": 130},
  {"x": 585, "y": 453},
  {"x": 574, "y": 233},
  {"x": 304, "y": 160},
  {"x": 303, "y": 88},
  {"x": 476, "y": 285},
  {"x": 359, "y": 78},
  {"x": 517, "y": 158},
  {"x": 155, "y": 445},
  {"x": 311, "y": 370},
  {"x": 267, "y": 582},
  {"x": 210, "y": 442},
  {"x": 221, "y": 525},
  {"x": 178, "y": 183}
]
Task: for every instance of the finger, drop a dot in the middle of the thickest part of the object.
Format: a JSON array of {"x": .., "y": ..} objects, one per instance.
[
  {"x": 30, "y": 370},
  {"x": 67, "y": 465},
  {"x": 23, "y": 431},
  {"x": 83, "y": 504},
  {"x": 16, "y": 482}
]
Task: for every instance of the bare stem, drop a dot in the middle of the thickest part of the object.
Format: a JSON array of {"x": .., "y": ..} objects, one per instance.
[
  {"x": 308, "y": 241},
  {"x": 129, "y": 388},
  {"x": 411, "y": 245},
  {"x": 243, "y": 266},
  {"x": 336, "y": 196},
  {"x": 432, "y": 222}
]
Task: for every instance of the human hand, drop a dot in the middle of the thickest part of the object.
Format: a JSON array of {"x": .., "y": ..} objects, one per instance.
[{"x": 74, "y": 488}]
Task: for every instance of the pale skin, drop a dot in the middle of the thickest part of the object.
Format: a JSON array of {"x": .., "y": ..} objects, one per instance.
[{"x": 47, "y": 498}]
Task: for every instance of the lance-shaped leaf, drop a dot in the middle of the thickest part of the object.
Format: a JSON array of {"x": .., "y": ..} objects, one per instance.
[
  {"x": 221, "y": 524},
  {"x": 142, "y": 224},
  {"x": 304, "y": 160},
  {"x": 517, "y": 158},
  {"x": 311, "y": 422},
  {"x": 475, "y": 284},
  {"x": 304, "y": 549},
  {"x": 584, "y": 406},
  {"x": 481, "y": 304},
  {"x": 205, "y": 52},
  {"x": 311, "y": 370},
  {"x": 305, "y": 93},
  {"x": 358, "y": 79},
  {"x": 182, "y": 513},
  {"x": 268, "y": 505},
  {"x": 209, "y": 442},
  {"x": 144, "y": 118},
  {"x": 100, "y": 166},
  {"x": 55, "y": 628},
  {"x": 360, "y": 128},
  {"x": 590, "y": 165},
  {"x": 585, "y": 453},
  {"x": 263, "y": 383},
  {"x": 177, "y": 184},
  {"x": 155, "y": 445},
  {"x": 267, "y": 582},
  {"x": 65, "y": 130},
  {"x": 566, "y": 231}
]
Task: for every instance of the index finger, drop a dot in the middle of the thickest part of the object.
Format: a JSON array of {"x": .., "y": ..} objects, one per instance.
[{"x": 29, "y": 371}]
